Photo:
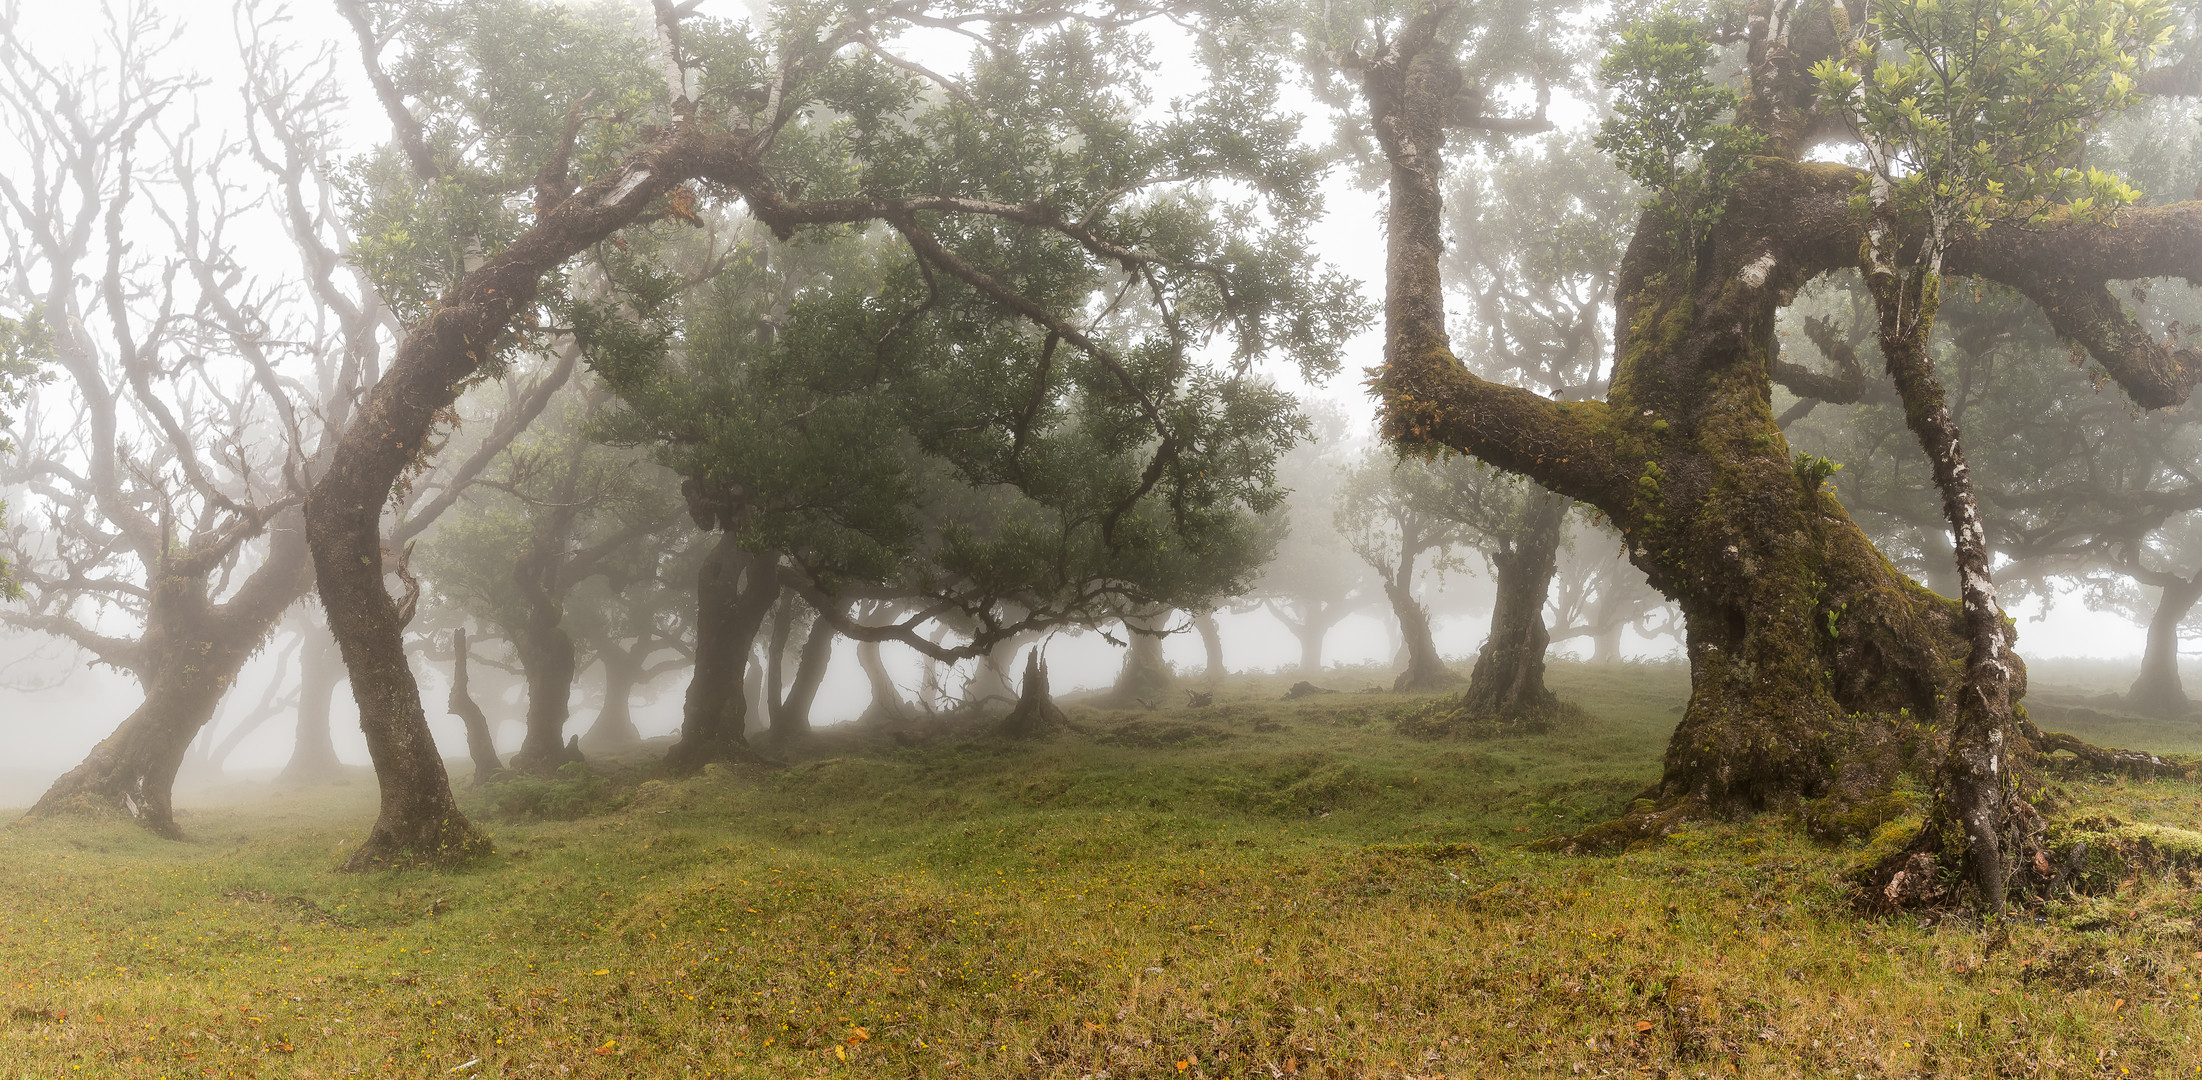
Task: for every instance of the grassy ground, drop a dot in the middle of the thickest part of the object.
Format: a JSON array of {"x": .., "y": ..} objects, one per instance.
[{"x": 1257, "y": 889}]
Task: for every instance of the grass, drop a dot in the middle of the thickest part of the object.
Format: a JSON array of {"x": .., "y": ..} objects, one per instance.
[{"x": 1260, "y": 888}]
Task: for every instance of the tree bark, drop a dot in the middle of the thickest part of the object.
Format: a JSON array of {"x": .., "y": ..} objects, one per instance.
[
  {"x": 547, "y": 659},
  {"x": 791, "y": 713},
  {"x": 1211, "y": 642},
  {"x": 419, "y": 821},
  {"x": 734, "y": 592},
  {"x": 2158, "y": 690},
  {"x": 1145, "y": 679},
  {"x": 313, "y": 749},
  {"x": 196, "y": 650},
  {"x": 1036, "y": 713},
  {"x": 614, "y": 729},
  {"x": 1426, "y": 670},
  {"x": 886, "y": 706},
  {"x": 479, "y": 745},
  {"x": 1507, "y": 686},
  {"x": 1813, "y": 661}
]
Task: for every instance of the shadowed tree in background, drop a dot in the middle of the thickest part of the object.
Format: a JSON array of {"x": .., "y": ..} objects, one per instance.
[{"x": 1392, "y": 512}]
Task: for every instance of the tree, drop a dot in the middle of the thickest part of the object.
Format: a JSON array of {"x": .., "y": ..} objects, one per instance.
[
  {"x": 562, "y": 511},
  {"x": 23, "y": 343},
  {"x": 1391, "y": 512},
  {"x": 1315, "y": 581},
  {"x": 914, "y": 152},
  {"x": 1517, "y": 527},
  {"x": 1808, "y": 651}
]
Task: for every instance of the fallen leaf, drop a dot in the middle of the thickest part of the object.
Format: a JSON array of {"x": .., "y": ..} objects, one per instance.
[
  {"x": 2117, "y": 1005},
  {"x": 1643, "y": 1025}
]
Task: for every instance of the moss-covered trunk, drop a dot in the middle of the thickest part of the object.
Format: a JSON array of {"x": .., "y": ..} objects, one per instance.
[
  {"x": 1507, "y": 686},
  {"x": 734, "y": 592}
]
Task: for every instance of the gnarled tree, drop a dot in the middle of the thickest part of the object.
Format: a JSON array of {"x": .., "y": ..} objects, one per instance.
[{"x": 1805, "y": 645}]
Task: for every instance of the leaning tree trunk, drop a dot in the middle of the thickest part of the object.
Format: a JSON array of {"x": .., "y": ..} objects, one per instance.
[
  {"x": 2158, "y": 691},
  {"x": 1146, "y": 678},
  {"x": 313, "y": 749},
  {"x": 614, "y": 729},
  {"x": 479, "y": 745},
  {"x": 196, "y": 651},
  {"x": 734, "y": 592},
  {"x": 1507, "y": 688},
  {"x": 791, "y": 713},
  {"x": 464, "y": 332},
  {"x": 1425, "y": 670},
  {"x": 886, "y": 706}
]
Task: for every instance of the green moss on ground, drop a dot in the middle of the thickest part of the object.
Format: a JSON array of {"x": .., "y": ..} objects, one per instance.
[{"x": 1304, "y": 891}]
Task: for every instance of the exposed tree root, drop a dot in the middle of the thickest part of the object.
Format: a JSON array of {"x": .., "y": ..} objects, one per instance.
[
  {"x": 1458, "y": 718},
  {"x": 2133, "y": 763}
]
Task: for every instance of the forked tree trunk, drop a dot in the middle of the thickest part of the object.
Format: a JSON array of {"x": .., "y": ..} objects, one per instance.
[
  {"x": 1813, "y": 661},
  {"x": 313, "y": 748},
  {"x": 2158, "y": 690},
  {"x": 1145, "y": 679},
  {"x": 1507, "y": 686},
  {"x": 196, "y": 651},
  {"x": 480, "y": 746},
  {"x": 734, "y": 592},
  {"x": 614, "y": 729}
]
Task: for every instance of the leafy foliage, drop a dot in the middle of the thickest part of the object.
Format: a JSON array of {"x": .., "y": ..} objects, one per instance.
[
  {"x": 23, "y": 344},
  {"x": 1672, "y": 128},
  {"x": 1977, "y": 110}
]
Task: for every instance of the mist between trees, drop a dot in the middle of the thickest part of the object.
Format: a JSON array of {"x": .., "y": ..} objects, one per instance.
[{"x": 657, "y": 352}]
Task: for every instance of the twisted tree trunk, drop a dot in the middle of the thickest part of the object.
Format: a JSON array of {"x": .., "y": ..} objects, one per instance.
[
  {"x": 1812, "y": 659},
  {"x": 734, "y": 592},
  {"x": 194, "y": 651},
  {"x": 479, "y": 745},
  {"x": 1507, "y": 686}
]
